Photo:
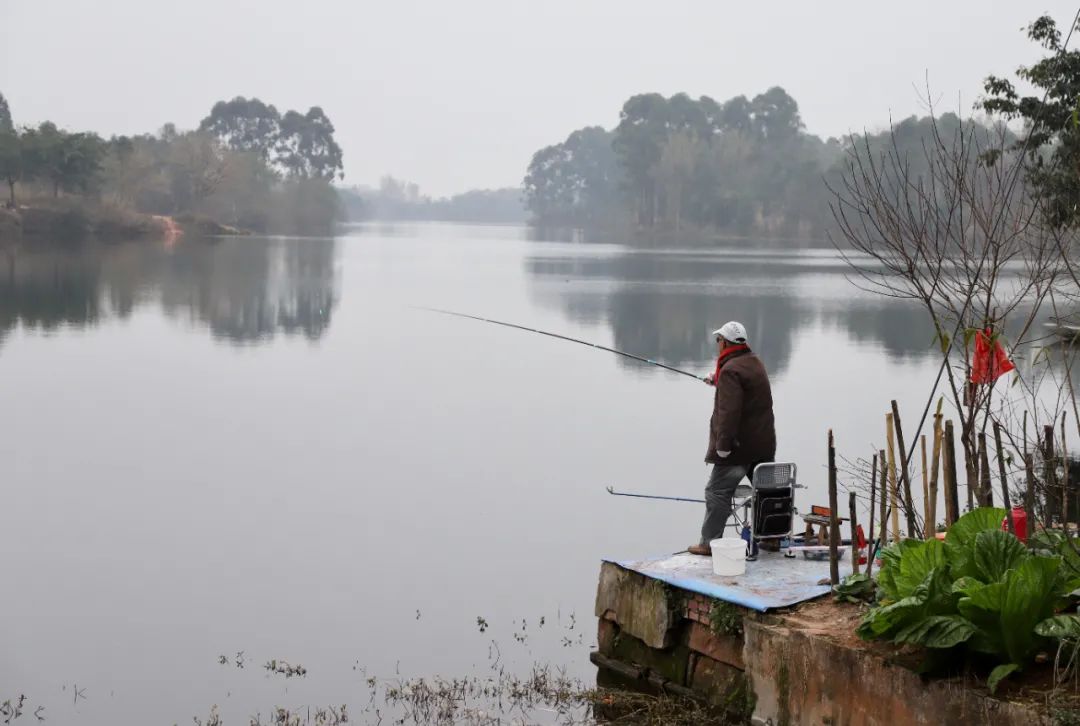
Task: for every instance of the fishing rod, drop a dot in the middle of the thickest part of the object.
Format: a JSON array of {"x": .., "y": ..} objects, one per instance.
[
  {"x": 735, "y": 522},
  {"x": 649, "y": 361},
  {"x": 611, "y": 490}
]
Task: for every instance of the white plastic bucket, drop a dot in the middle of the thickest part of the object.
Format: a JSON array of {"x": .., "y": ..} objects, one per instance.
[{"x": 728, "y": 556}]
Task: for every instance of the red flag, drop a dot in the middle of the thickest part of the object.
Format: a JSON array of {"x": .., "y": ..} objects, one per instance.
[{"x": 990, "y": 361}]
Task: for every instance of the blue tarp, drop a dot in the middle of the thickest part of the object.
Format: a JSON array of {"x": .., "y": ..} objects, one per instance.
[{"x": 773, "y": 581}]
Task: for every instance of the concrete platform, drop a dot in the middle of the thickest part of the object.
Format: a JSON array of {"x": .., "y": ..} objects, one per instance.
[
  {"x": 666, "y": 626},
  {"x": 772, "y": 581}
]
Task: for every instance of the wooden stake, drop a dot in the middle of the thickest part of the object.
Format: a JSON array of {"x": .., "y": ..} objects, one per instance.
[
  {"x": 952, "y": 498},
  {"x": 985, "y": 496},
  {"x": 1064, "y": 478},
  {"x": 1025, "y": 437},
  {"x": 1029, "y": 493},
  {"x": 873, "y": 498},
  {"x": 934, "y": 467},
  {"x": 891, "y": 449},
  {"x": 1048, "y": 473},
  {"x": 905, "y": 476},
  {"x": 1004, "y": 478},
  {"x": 834, "y": 518},
  {"x": 854, "y": 534},
  {"x": 928, "y": 530}
]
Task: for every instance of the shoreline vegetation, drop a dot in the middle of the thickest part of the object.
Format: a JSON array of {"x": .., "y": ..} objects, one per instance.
[
  {"x": 84, "y": 221},
  {"x": 680, "y": 168},
  {"x": 674, "y": 170},
  {"x": 247, "y": 168}
]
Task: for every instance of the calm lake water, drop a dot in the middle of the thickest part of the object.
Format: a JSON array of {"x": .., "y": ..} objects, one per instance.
[{"x": 260, "y": 445}]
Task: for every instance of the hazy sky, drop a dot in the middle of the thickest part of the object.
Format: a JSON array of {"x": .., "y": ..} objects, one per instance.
[{"x": 455, "y": 94}]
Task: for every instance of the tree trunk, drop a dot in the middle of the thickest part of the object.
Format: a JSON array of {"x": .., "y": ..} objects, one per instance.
[{"x": 11, "y": 191}]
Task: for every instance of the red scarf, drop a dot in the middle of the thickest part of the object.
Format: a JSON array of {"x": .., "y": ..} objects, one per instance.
[{"x": 730, "y": 350}]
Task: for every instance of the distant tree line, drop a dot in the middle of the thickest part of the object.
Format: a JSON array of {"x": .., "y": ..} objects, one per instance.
[
  {"x": 396, "y": 199},
  {"x": 678, "y": 164},
  {"x": 741, "y": 166},
  {"x": 246, "y": 165}
]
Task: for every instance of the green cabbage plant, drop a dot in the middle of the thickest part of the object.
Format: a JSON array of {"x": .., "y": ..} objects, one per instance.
[{"x": 981, "y": 589}]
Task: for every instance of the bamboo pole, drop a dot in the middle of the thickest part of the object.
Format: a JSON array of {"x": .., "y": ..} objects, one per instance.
[
  {"x": 883, "y": 524},
  {"x": 891, "y": 449},
  {"x": 873, "y": 497},
  {"x": 905, "y": 476},
  {"x": 927, "y": 529},
  {"x": 952, "y": 499},
  {"x": 934, "y": 468},
  {"x": 985, "y": 496},
  {"x": 1004, "y": 478},
  {"x": 834, "y": 518},
  {"x": 853, "y": 515}
]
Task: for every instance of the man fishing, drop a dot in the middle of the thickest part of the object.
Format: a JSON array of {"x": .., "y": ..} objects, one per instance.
[{"x": 742, "y": 432}]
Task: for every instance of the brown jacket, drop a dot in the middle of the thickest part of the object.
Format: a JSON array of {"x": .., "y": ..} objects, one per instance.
[{"x": 742, "y": 418}]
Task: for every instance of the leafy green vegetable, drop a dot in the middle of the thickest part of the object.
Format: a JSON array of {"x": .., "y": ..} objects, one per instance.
[
  {"x": 916, "y": 562},
  {"x": 981, "y": 590},
  {"x": 891, "y": 562},
  {"x": 1030, "y": 594},
  {"x": 936, "y": 631},
  {"x": 855, "y": 588},
  {"x": 960, "y": 540},
  {"x": 933, "y": 596},
  {"x": 1062, "y": 627},
  {"x": 995, "y": 553},
  {"x": 998, "y": 673},
  {"x": 982, "y": 607},
  {"x": 967, "y": 585}
]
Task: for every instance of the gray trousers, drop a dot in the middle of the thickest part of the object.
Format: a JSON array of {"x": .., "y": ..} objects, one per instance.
[{"x": 722, "y": 482}]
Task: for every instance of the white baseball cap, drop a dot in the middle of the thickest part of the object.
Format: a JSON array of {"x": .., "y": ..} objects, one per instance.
[{"x": 732, "y": 331}]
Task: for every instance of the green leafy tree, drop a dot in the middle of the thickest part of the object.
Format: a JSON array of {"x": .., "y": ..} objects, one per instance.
[
  {"x": 675, "y": 172},
  {"x": 1052, "y": 143},
  {"x": 306, "y": 147},
  {"x": 11, "y": 166},
  {"x": 68, "y": 162},
  {"x": 744, "y": 165},
  {"x": 776, "y": 115},
  {"x": 574, "y": 182},
  {"x": 639, "y": 138},
  {"x": 196, "y": 166},
  {"x": 244, "y": 125},
  {"x": 6, "y": 124},
  {"x": 11, "y": 162}
]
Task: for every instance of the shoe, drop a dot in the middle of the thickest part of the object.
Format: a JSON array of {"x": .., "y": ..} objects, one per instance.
[{"x": 700, "y": 549}]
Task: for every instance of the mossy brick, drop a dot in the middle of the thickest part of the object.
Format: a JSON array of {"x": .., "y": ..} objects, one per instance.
[
  {"x": 720, "y": 683},
  {"x": 722, "y": 647}
]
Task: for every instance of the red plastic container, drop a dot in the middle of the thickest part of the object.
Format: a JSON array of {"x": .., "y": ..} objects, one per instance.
[{"x": 1019, "y": 518}]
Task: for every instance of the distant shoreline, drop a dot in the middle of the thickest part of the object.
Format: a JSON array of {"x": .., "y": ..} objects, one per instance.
[{"x": 73, "y": 222}]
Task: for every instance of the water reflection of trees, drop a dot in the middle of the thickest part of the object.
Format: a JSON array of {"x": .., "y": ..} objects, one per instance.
[
  {"x": 242, "y": 290},
  {"x": 664, "y": 305}
]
